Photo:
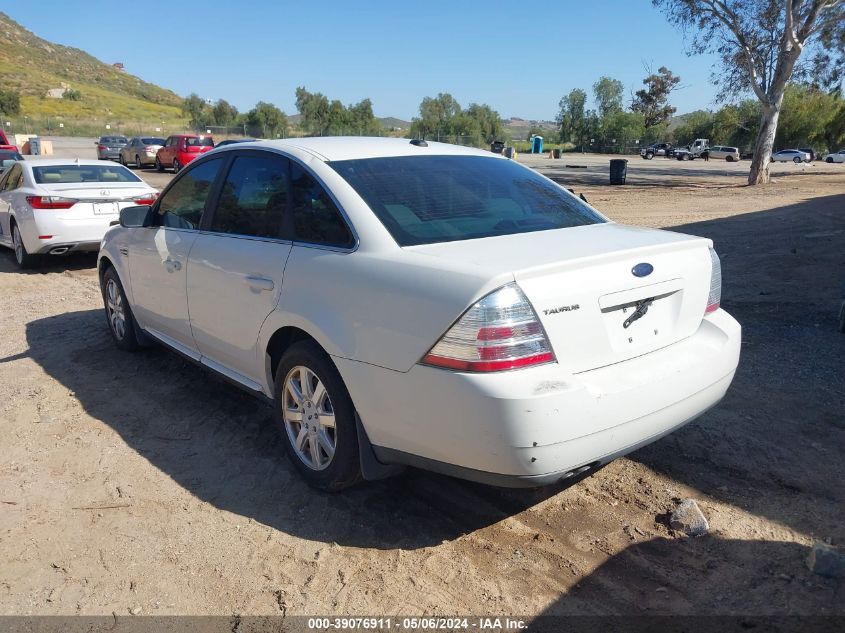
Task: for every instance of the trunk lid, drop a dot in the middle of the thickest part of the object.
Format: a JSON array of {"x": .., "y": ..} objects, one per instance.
[
  {"x": 98, "y": 198},
  {"x": 581, "y": 284}
]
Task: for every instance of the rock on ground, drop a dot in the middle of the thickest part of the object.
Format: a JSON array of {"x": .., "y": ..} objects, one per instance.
[{"x": 689, "y": 519}]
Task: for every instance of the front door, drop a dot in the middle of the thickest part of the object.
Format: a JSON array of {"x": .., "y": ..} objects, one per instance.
[
  {"x": 158, "y": 257},
  {"x": 235, "y": 269}
]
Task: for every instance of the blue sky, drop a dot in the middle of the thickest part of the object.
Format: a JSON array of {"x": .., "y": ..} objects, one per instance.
[{"x": 518, "y": 57}]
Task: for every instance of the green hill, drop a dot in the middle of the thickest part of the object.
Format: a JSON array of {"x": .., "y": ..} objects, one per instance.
[{"x": 33, "y": 66}]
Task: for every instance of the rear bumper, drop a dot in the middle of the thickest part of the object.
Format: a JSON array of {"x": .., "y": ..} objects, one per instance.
[
  {"x": 83, "y": 234},
  {"x": 536, "y": 426}
]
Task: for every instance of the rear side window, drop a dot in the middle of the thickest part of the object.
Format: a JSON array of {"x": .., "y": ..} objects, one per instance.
[
  {"x": 182, "y": 206},
  {"x": 13, "y": 181},
  {"x": 56, "y": 174},
  {"x": 254, "y": 197},
  {"x": 429, "y": 199},
  {"x": 316, "y": 219}
]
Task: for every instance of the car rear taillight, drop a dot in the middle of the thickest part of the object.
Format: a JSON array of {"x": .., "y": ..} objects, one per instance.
[
  {"x": 149, "y": 149},
  {"x": 102, "y": 147},
  {"x": 50, "y": 202},
  {"x": 147, "y": 198},
  {"x": 715, "y": 296},
  {"x": 501, "y": 331}
]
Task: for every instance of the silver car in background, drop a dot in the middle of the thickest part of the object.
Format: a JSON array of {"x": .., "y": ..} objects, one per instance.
[
  {"x": 108, "y": 147},
  {"x": 140, "y": 151},
  {"x": 724, "y": 152},
  {"x": 791, "y": 155}
]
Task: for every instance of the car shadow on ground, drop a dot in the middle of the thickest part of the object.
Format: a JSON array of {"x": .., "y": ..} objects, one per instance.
[
  {"x": 783, "y": 414},
  {"x": 774, "y": 445},
  {"x": 48, "y": 263},
  {"x": 736, "y": 585},
  {"x": 222, "y": 445}
]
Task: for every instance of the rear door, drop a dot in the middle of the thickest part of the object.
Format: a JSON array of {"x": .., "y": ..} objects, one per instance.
[
  {"x": 237, "y": 263},
  {"x": 158, "y": 256},
  {"x": 165, "y": 154}
]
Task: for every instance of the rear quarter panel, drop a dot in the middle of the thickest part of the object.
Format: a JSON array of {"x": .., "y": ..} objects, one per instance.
[{"x": 375, "y": 308}]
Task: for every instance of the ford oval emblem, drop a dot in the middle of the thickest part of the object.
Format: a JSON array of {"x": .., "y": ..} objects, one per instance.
[{"x": 642, "y": 270}]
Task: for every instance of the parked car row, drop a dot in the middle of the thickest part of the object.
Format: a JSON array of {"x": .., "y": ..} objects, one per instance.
[{"x": 174, "y": 152}]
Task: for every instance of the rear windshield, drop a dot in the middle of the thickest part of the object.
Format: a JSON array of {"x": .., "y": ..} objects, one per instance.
[
  {"x": 114, "y": 139},
  {"x": 430, "y": 199},
  {"x": 152, "y": 141},
  {"x": 55, "y": 174},
  {"x": 202, "y": 141}
]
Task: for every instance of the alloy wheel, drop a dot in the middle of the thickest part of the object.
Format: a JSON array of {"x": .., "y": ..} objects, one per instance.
[
  {"x": 309, "y": 418},
  {"x": 114, "y": 306}
]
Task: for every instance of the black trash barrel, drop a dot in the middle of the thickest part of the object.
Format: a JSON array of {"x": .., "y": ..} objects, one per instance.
[
  {"x": 618, "y": 171},
  {"x": 557, "y": 153}
]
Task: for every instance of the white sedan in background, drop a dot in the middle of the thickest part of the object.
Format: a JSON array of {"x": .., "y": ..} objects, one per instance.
[
  {"x": 791, "y": 156},
  {"x": 55, "y": 206},
  {"x": 423, "y": 304},
  {"x": 838, "y": 157}
]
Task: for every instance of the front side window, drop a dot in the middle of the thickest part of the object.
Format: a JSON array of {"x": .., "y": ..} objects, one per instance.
[
  {"x": 182, "y": 206},
  {"x": 430, "y": 199},
  {"x": 254, "y": 197},
  {"x": 316, "y": 219}
]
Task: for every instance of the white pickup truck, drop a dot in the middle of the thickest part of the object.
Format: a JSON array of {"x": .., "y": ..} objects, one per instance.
[{"x": 693, "y": 150}]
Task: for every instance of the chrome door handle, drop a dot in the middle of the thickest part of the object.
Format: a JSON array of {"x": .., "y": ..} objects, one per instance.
[
  {"x": 172, "y": 265},
  {"x": 259, "y": 283}
]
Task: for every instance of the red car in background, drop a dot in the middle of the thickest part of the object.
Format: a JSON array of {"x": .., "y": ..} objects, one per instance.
[
  {"x": 181, "y": 149},
  {"x": 4, "y": 143}
]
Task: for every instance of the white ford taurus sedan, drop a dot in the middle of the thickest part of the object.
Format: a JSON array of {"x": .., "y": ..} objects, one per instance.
[
  {"x": 412, "y": 303},
  {"x": 57, "y": 206}
]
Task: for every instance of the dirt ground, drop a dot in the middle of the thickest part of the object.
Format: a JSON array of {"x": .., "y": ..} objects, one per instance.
[{"x": 140, "y": 481}]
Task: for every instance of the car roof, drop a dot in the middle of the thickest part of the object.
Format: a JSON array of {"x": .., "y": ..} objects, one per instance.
[{"x": 331, "y": 148}]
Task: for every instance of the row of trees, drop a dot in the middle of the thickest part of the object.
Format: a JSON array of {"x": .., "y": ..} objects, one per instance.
[
  {"x": 322, "y": 117},
  {"x": 264, "y": 120},
  {"x": 442, "y": 118},
  {"x": 809, "y": 117},
  {"x": 763, "y": 45},
  {"x": 609, "y": 126}
]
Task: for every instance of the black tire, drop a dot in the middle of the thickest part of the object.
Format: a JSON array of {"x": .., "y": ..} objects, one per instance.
[
  {"x": 797, "y": 160},
  {"x": 159, "y": 166},
  {"x": 176, "y": 166},
  {"x": 138, "y": 163},
  {"x": 729, "y": 159},
  {"x": 344, "y": 469},
  {"x": 125, "y": 338},
  {"x": 23, "y": 259},
  {"x": 828, "y": 160},
  {"x": 649, "y": 156}
]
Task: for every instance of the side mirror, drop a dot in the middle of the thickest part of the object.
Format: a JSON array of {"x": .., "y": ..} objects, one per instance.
[
  {"x": 136, "y": 217},
  {"x": 7, "y": 164}
]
